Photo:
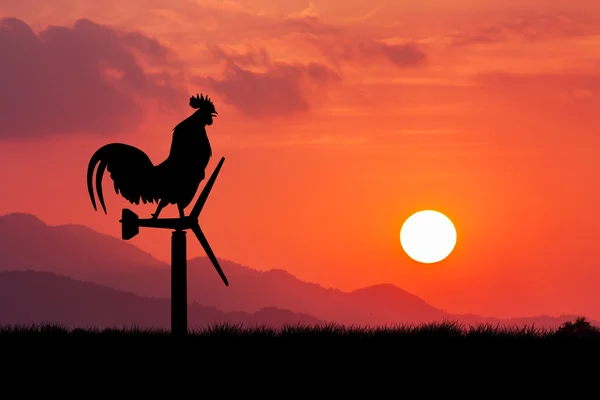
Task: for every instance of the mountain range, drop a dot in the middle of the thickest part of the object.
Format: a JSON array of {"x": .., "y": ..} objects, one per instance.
[
  {"x": 28, "y": 297},
  {"x": 43, "y": 269}
]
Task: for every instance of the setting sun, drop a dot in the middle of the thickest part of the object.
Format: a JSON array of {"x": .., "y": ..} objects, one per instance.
[{"x": 428, "y": 236}]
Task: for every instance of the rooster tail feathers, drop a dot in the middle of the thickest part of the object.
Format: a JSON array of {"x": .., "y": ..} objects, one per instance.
[
  {"x": 90, "y": 174},
  {"x": 96, "y": 158},
  {"x": 99, "y": 175},
  {"x": 130, "y": 169}
]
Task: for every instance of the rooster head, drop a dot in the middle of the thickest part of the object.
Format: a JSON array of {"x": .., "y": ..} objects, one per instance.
[{"x": 205, "y": 107}]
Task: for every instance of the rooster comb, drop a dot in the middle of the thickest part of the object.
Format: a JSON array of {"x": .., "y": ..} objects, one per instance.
[{"x": 201, "y": 102}]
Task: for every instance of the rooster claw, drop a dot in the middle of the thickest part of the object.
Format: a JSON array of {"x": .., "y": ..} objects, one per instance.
[{"x": 154, "y": 215}]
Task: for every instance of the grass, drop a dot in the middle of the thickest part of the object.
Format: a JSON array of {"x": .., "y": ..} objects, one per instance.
[
  {"x": 315, "y": 351},
  {"x": 444, "y": 331}
]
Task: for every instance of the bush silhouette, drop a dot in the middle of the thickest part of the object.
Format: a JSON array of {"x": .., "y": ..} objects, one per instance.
[{"x": 580, "y": 328}]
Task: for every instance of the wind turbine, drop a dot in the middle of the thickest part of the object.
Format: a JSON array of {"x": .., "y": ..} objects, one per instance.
[{"x": 130, "y": 227}]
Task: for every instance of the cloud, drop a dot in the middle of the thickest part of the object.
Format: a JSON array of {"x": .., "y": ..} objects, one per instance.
[
  {"x": 525, "y": 26},
  {"x": 343, "y": 43},
  {"x": 84, "y": 78},
  {"x": 401, "y": 55},
  {"x": 251, "y": 57},
  {"x": 545, "y": 87},
  {"x": 279, "y": 89},
  {"x": 308, "y": 36},
  {"x": 544, "y": 107}
]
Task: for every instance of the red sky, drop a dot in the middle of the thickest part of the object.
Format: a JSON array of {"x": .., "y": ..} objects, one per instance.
[{"x": 338, "y": 119}]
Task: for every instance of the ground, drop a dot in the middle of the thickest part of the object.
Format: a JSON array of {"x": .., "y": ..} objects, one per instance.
[{"x": 310, "y": 356}]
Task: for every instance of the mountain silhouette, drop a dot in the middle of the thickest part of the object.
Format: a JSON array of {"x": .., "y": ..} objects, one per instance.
[
  {"x": 83, "y": 254},
  {"x": 31, "y": 297},
  {"x": 73, "y": 250},
  {"x": 27, "y": 243}
]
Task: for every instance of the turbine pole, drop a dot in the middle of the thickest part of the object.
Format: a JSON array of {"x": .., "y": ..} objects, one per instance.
[{"x": 179, "y": 324}]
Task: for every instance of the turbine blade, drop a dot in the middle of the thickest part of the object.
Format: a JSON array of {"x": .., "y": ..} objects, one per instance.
[
  {"x": 204, "y": 243},
  {"x": 206, "y": 191}
]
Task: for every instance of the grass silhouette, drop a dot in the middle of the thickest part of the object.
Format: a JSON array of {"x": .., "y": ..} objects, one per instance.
[
  {"x": 445, "y": 331},
  {"x": 306, "y": 356}
]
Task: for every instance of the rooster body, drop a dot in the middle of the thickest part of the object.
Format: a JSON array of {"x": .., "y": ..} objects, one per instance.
[{"x": 174, "y": 181}]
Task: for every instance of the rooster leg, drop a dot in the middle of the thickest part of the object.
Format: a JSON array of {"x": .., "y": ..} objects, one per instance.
[
  {"x": 181, "y": 213},
  {"x": 162, "y": 204}
]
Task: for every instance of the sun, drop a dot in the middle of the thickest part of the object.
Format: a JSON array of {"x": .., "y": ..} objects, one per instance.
[{"x": 428, "y": 236}]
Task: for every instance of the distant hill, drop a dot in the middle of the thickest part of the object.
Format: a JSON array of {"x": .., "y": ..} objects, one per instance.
[
  {"x": 26, "y": 243},
  {"x": 75, "y": 250},
  {"x": 29, "y": 297}
]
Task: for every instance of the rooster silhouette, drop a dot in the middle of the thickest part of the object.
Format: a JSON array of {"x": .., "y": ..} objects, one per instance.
[{"x": 174, "y": 181}]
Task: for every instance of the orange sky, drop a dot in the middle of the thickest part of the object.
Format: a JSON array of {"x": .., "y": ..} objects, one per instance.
[{"x": 338, "y": 119}]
